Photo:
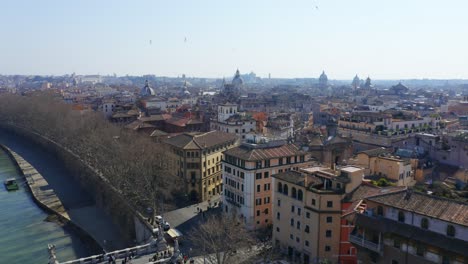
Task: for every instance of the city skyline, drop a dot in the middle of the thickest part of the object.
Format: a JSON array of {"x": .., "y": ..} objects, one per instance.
[{"x": 397, "y": 40}]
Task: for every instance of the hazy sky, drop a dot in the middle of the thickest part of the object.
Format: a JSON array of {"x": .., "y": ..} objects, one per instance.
[{"x": 290, "y": 38}]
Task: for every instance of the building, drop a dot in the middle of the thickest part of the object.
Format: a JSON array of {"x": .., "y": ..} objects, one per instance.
[
  {"x": 307, "y": 211},
  {"x": 410, "y": 227},
  {"x": 381, "y": 162},
  {"x": 230, "y": 120},
  {"x": 196, "y": 158},
  {"x": 323, "y": 80},
  {"x": 247, "y": 171},
  {"x": 279, "y": 126}
]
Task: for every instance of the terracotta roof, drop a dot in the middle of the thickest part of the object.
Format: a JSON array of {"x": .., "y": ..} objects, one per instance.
[
  {"x": 364, "y": 191},
  {"x": 293, "y": 177},
  {"x": 200, "y": 140},
  {"x": 424, "y": 204},
  {"x": 253, "y": 153}
]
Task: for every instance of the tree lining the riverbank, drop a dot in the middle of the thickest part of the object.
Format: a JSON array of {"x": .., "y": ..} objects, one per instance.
[{"x": 134, "y": 165}]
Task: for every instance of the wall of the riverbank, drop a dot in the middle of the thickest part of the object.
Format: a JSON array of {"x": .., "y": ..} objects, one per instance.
[
  {"x": 46, "y": 198},
  {"x": 105, "y": 196}
]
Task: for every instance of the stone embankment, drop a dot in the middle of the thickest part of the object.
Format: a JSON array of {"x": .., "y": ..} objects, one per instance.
[{"x": 46, "y": 197}]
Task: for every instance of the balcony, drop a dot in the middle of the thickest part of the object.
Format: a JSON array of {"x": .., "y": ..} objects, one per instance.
[{"x": 359, "y": 240}]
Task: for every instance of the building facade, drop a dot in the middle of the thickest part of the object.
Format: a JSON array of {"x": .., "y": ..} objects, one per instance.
[
  {"x": 196, "y": 158},
  {"x": 307, "y": 211},
  {"x": 247, "y": 171},
  {"x": 410, "y": 227}
]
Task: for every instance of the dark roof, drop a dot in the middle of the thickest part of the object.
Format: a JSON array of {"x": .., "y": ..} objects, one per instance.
[
  {"x": 376, "y": 152},
  {"x": 200, "y": 140},
  {"x": 386, "y": 225},
  {"x": 424, "y": 204},
  {"x": 294, "y": 177},
  {"x": 364, "y": 191},
  {"x": 259, "y": 153}
]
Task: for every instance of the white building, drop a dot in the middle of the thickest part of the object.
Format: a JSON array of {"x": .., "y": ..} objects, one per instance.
[{"x": 230, "y": 120}]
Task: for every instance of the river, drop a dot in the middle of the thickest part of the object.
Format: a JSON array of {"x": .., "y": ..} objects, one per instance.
[{"x": 24, "y": 233}]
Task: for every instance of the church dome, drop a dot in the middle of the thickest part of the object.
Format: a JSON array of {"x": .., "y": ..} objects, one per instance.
[
  {"x": 237, "y": 81},
  {"x": 147, "y": 90}
]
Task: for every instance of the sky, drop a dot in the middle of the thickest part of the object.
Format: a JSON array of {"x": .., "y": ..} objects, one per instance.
[{"x": 398, "y": 39}]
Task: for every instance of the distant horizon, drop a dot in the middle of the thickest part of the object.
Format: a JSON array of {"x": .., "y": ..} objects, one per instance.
[{"x": 228, "y": 77}]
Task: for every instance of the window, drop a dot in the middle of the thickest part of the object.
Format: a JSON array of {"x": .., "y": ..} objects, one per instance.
[
  {"x": 328, "y": 233},
  {"x": 258, "y": 212},
  {"x": 329, "y": 204},
  {"x": 266, "y": 211},
  {"x": 266, "y": 200},
  {"x": 396, "y": 243},
  {"x": 293, "y": 193},
  {"x": 278, "y": 215},
  {"x": 266, "y": 174},
  {"x": 277, "y": 229},
  {"x": 424, "y": 223},
  {"x": 300, "y": 195},
  {"x": 298, "y": 240},
  {"x": 298, "y": 211},
  {"x": 419, "y": 250},
  {"x": 291, "y": 236},
  {"x": 279, "y": 202},
  {"x": 292, "y": 208},
  {"x": 329, "y": 219},
  {"x": 401, "y": 216},
  {"x": 327, "y": 248},
  {"x": 307, "y": 243},
  {"x": 280, "y": 161},
  {"x": 280, "y": 187},
  {"x": 307, "y": 229},
  {"x": 307, "y": 214},
  {"x": 266, "y": 187},
  {"x": 450, "y": 230},
  {"x": 292, "y": 222},
  {"x": 258, "y": 187},
  {"x": 285, "y": 189},
  {"x": 258, "y": 164},
  {"x": 445, "y": 260},
  {"x": 298, "y": 225},
  {"x": 380, "y": 210},
  {"x": 258, "y": 201},
  {"x": 267, "y": 163},
  {"x": 313, "y": 201},
  {"x": 258, "y": 176}
]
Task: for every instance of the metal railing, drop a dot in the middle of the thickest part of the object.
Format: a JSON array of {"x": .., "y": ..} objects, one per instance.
[{"x": 361, "y": 241}]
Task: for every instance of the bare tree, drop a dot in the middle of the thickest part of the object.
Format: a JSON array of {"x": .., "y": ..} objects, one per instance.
[{"x": 219, "y": 238}]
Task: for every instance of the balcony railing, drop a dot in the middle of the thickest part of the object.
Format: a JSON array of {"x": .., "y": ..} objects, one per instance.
[{"x": 361, "y": 241}]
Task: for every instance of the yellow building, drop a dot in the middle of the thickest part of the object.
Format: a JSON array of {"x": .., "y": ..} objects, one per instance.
[
  {"x": 196, "y": 158},
  {"x": 307, "y": 211},
  {"x": 380, "y": 162}
]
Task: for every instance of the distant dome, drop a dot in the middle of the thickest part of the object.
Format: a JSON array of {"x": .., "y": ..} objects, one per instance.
[
  {"x": 323, "y": 79},
  {"x": 237, "y": 81},
  {"x": 147, "y": 90}
]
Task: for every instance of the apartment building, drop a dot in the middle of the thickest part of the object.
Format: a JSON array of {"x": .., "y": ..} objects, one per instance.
[
  {"x": 196, "y": 158},
  {"x": 410, "y": 227},
  {"x": 247, "y": 171},
  {"x": 307, "y": 211},
  {"x": 381, "y": 162}
]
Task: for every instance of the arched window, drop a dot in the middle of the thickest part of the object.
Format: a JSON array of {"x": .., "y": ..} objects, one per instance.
[
  {"x": 280, "y": 187},
  {"x": 424, "y": 223},
  {"x": 401, "y": 216},
  {"x": 380, "y": 210},
  {"x": 293, "y": 193},
  {"x": 300, "y": 195},
  {"x": 450, "y": 230},
  {"x": 285, "y": 189}
]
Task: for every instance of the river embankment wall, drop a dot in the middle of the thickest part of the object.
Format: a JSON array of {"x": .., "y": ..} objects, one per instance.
[
  {"x": 47, "y": 199},
  {"x": 104, "y": 194}
]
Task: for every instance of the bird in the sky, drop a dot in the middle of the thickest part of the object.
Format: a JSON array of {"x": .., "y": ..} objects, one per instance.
[{"x": 151, "y": 41}]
